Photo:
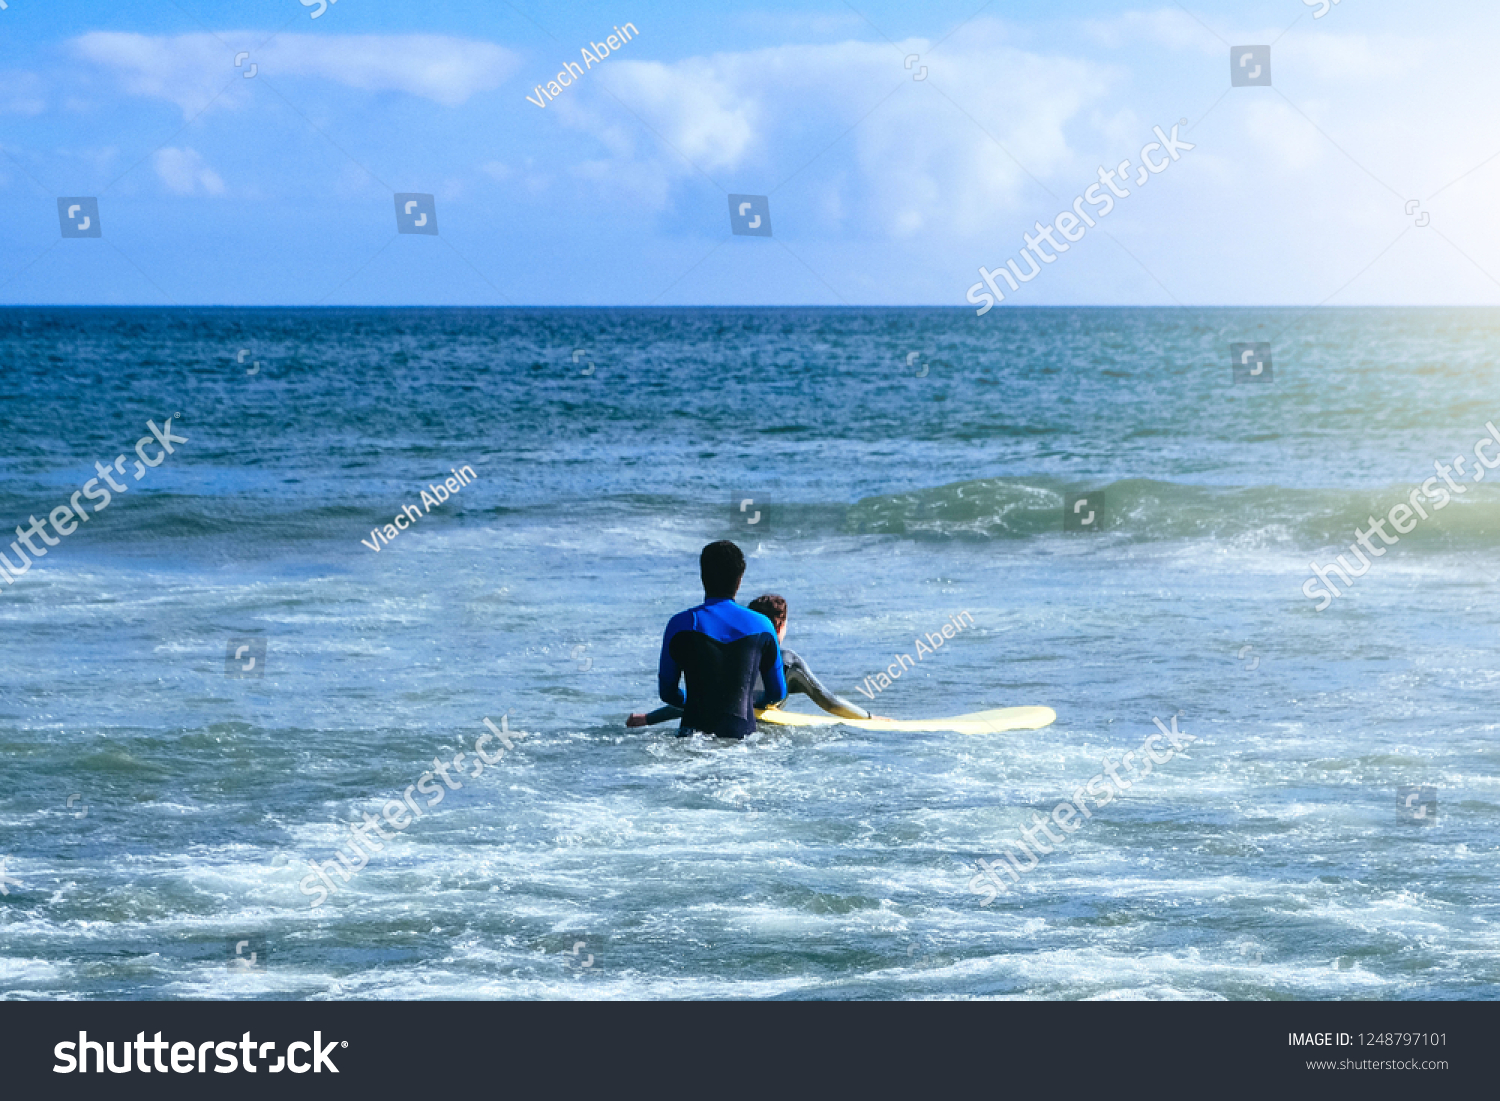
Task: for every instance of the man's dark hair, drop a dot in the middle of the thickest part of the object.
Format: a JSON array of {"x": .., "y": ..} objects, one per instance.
[
  {"x": 772, "y": 607},
  {"x": 722, "y": 566}
]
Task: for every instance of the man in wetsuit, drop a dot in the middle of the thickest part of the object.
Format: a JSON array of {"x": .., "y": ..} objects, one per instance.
[
  {"x": 799, "y": 677},
  {"x": 719, "y": 647}
]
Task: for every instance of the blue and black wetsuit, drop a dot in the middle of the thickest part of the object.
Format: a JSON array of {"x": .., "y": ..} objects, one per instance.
[
  {"x": 719, "y": 647},
  {"x": 799, "y": 678}
]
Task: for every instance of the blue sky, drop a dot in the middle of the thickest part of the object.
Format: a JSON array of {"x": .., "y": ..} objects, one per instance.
[{"x": 278, "y": 189}]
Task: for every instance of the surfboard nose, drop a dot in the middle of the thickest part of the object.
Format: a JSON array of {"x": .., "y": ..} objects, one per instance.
[{"x": 978, "y": 722}]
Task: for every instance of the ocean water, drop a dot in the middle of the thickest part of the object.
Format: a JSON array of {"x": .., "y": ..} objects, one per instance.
[{"x": 1331, "y": 832}]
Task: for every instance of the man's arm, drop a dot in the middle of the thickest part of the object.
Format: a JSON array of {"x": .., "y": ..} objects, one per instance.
[
  {"x": 801, "y": 679},
  {"x": 668, "y": 675},
  {"x": 770, "y": 673}
]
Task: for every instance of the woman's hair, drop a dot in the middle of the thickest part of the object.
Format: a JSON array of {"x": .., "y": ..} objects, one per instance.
[{"x": 772, "y": 607}]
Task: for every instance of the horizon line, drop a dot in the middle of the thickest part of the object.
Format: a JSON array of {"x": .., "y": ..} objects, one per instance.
[{"x": 731, "y": 306}]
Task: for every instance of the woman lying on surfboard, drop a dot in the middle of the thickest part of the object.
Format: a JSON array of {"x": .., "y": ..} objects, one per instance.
[{"x": 799, "y": 678}]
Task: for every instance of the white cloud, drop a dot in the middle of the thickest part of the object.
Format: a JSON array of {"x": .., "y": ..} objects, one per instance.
[
  {"x": 21, "y": 93},
  {"x": 903, "y": 184},
  {"x": 188, "y": 70},
  {"x": 1277, "y": 204},
  {"x": 764, "y": 22},
  {"x": 191, "y": 69},
  {"x": 436, "y": 67},
  {"x": 930, "y": 152},
  {"x": 184, "y": 172},
  {"x": 703, "y": 101},
  {"x": 1171, "y": 28}
]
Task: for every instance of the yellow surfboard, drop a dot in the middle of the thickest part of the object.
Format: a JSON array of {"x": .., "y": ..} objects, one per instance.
[{"x": 980, "y": 722}]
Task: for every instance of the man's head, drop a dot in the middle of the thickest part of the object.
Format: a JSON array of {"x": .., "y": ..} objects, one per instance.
[
  {"x": 773, "y": 608},
  {"x": 722, "y": 567}
]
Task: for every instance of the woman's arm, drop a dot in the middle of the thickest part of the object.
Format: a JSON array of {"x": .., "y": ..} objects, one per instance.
[
  {"x": 660, "y": 715},
  {"x": 799, "y": 678}
]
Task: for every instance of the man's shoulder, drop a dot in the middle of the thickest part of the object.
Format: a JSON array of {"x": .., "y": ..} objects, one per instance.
[
  {"x": 736, "y": 617},
  {"x": 683, "y": 619},
  {"x": 758, "y": 620}
]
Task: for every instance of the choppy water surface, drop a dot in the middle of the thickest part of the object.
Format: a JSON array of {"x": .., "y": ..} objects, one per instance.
[{"x": 1277, "y": 859}]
